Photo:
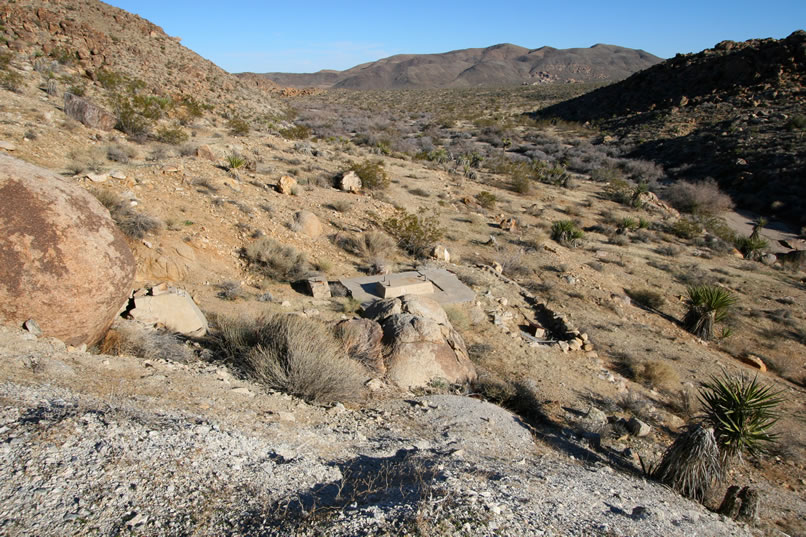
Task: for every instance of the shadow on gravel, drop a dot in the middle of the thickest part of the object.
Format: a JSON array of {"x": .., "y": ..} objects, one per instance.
[{"x": 404, "y": 479}]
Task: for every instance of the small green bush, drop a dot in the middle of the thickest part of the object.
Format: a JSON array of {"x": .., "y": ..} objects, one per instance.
[
  {"x": 797, "y": 122},
  {"x": 10, "y": 81},
  {"x": 297, "y": 132},
  {"x": 172, "y": 135},
  {"x": 707, "y": 305},
  {"x": 486, "y": 199},
  {"x": 415, "y": 233},
  {"x": 566, "y": 232},
  {"x": 372, "y": 173},
  {"x": 238, "y": 127},
  {"x": 686, "y": 228},
  {"x": 750, "y": 247},
  {"x": 276, "y": 261}
]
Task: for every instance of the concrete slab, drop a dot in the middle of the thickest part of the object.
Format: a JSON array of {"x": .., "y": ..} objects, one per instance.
[
  {"x": 393, "y": 285},
  {"x": 446, "y": 287}
]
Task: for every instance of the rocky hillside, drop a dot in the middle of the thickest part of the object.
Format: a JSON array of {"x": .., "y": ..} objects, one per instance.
[
  {"x": 735, "y": 113},
  {"x": 499, "y": 65},
  {"x": 77, "y": 41}
]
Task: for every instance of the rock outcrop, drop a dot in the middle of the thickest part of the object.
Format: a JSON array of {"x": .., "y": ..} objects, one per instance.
[
  {"x": 88, "y": 113},
  {"x": 63, "y": 261},
  {"x": 422, "y": 344}
]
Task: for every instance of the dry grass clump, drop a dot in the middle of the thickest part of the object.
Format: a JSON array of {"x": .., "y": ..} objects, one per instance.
[
  {"x": 647, "y": 298},
  {"x": 292, "y": 354},
  {"x": 130, "y": 337},
  {"x": 692, "y": 463},
  {"x": 361, "y": 348},
  {"x": 369, "y": 245},
  {"x": 132, "y": 223},
  {"x": 276, "y": 261}
]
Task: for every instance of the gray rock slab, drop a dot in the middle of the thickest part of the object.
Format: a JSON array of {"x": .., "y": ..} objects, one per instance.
[{"x": 447, "y": 287}]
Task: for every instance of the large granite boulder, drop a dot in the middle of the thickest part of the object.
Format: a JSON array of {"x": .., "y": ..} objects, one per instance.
[
  {"x": 422, "y": 344},
  {"x": 174, "y": 310},
  {"x": 63, "y": 261},
  {"x": 89, "y": 114}
]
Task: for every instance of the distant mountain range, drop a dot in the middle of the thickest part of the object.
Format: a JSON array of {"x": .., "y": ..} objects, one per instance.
[{"x": 499, "y": 65}]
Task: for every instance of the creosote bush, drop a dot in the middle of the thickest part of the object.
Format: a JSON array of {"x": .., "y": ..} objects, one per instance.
[
  {"x": 703, "y": 198},
  {"x": 415, "y": 233},
  {"x": 707, "y": 305},
  {"x": 172, "y": 135},
  {"x": 292, "y": 354},
  {"x": 276, "y": 261},
  {"x": 486, "y": 199},
  {"x": 238, "y": 127},
  {"x": 372, "y": 173}
]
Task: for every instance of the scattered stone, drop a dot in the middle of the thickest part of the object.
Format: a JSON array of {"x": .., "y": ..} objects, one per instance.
[
  {"x": 117, "y": 174},
  {"x": 755, "y": 361},
  {"x": 441, "y": 253},
  {"x": 88, "y": 113},
  {"x": 638, "y": 427},
  {"x": 509, "y": 224},
  {"x": 498, "y": 267},
  {"x": 350, "y": 182},
  {"x": 33, "y": 327},
  {"x": 318, "y": 287},
  {"x": 375, "y": 385},
  {"x": 97, "y": 177},
  {"x": 8, "y": 146},
  {"x": 54, "y": 236},
  {"x": 286, "y": 185},
  {"x": 769, "y": 259}
]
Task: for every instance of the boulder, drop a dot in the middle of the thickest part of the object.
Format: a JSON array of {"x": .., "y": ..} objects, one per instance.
[
  {"x": 421, "y": 351},
  {"x": 205, "y": 152},
  {"x": 308, "y": 224},
  {"x": 286, "y": 185},
  {"x": 63, "y": 261},
  {"x": 423, "y": 346},
  {"x": 638, "y": 427},
  {"x": 350, "y": 182},
  {"x": 89, "y": 114},
  {"x": 174, "y": 310}
]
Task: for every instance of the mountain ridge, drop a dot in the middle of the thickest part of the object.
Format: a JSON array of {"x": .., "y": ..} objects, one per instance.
[{"x": 502, "y": 64}]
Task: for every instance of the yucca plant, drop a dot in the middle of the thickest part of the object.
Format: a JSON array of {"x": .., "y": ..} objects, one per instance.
[
  {"x": 707, "y": 305},
  {"x": 741, "y": 412},
  {"x": 235, "y": 161},
  {"x": 751, "y": 246},
  {"x": 566, "y": 232}
]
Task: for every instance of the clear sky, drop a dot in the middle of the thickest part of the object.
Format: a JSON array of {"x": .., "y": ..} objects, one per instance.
[{"x": 309, "y": 35}]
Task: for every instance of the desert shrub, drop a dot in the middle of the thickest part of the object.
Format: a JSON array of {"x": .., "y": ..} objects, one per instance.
[
  {"x": 172, "y": 135},
  {"x": 130, "y": 121},
  {"x": 276, "y": 261},
  {"x": 417, "y": 233},
  {"x": 797, "y": 122},
  {"x": 238, "y": 127},
  {"x": 486, "y": 199},
  {"x": 230, "y": 290},
  {"x": 120, "y": 153},
  {"x": 621, "y": 191},
  {"x": 606, "y": 175},
  {"x": 553, "y": 175},
  {"x": 130, "y": 337},
  {"x": 686, "y": 228},
  {"x": 372, "y": 174},
  {"x": 741, "y": 411},
  {"x": 292, "y": 354},
  {"x": 707, "y": 305},
  {"x": 297, "y": 132},
  {"x": 566, "y": 232},
  {"x": 369, "y": 245},
  {"x": 11, "y": 81},
  {"x": 360, "y": 348},
  {"x": 133, "y": 224},
  {"x": 647, "y": 297},
  {"x": 658, "y": 374},
  {"x": 703, "y": 198},
  {"x": 342, "y": 206}
]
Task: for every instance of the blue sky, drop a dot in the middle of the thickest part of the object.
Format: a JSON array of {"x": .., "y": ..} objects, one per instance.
[{"x": 310, "y": 35}]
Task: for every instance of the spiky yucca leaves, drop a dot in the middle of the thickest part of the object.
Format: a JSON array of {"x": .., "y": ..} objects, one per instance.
[
  {"x": 692, "y": 463},
  {"x": 741, "y": 411},
  {"x": 566, "y": 232},
  {"x": 707, "y": 305}
]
